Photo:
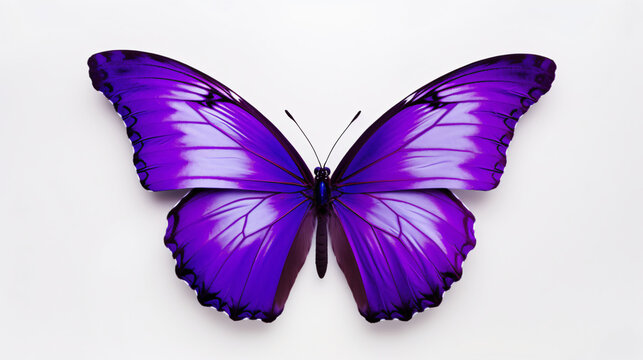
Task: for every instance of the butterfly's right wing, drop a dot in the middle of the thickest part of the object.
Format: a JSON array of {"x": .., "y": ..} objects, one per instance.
[
  {"x": 241, "y": 250},
  {"x": 398, "y": 238},
  {"x": 400, "y": 250},
  {"x": 190, "y": 131}
]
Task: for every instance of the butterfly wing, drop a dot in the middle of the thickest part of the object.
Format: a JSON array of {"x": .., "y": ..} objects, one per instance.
[
  {"x": 451, "y": 133},
  {"x": 190, "y": 131},
  {"x": 239, "y": 246},
  {"x": 400, "y": 250},
  {"x": 241, "y": 250}
]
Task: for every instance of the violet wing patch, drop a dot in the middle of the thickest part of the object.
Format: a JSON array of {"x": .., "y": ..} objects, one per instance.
[
  {"x": 240, "y": 250},
  {"x": 190, "y": 131},
  {"x": 400, "y": 250},
  {"x": 452, "y": 133}
]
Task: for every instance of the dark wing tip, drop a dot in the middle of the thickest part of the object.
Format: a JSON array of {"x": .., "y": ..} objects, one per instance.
[
  {"x": 547, "y": 65},
  {"x": 101, "y": 58}
]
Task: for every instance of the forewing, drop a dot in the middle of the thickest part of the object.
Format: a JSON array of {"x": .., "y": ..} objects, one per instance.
[
  {"x": 400, "y": 250},
  {"x": 241, "y": 250},
  {"x": 190, "y": 131},
  {"x": 452, "y": 133}
]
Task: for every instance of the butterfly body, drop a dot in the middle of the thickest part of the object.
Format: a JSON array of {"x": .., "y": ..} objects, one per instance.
[
  {"x": 322, "y": 196},
  {"x": 243, "y": 232}
]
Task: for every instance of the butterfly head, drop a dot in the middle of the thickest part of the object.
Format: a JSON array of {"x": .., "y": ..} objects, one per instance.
[{"x": 322, "y": 172}]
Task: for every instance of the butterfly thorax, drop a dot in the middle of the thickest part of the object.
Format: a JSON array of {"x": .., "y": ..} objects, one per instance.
[{"x": 322, "y": 189}]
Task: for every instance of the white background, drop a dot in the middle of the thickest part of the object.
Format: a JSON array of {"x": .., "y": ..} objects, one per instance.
[{"x": 557, "y": 272}]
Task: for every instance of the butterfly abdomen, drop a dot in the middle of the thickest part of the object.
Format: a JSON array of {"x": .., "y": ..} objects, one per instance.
[{"x": 321, "y": 245}]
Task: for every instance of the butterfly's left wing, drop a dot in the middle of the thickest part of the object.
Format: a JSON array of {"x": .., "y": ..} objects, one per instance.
[
  {"x": 241, "y": 250},
  {"x": 400, "y": 250}
]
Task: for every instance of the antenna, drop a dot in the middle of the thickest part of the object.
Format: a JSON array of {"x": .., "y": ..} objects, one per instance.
[
  {"x": 340, "y": 136},
  {"x": 302, "y": 131}
]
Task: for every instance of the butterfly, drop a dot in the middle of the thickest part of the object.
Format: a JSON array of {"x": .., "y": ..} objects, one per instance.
[{"x": 242, "y": 233}]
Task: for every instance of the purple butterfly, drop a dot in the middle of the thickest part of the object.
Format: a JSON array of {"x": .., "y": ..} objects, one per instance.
[{"x": 242, "y": 234}]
